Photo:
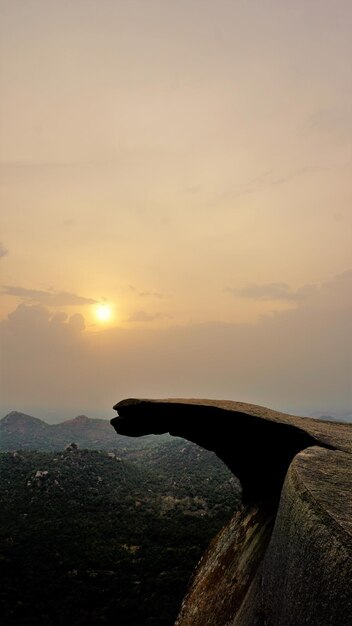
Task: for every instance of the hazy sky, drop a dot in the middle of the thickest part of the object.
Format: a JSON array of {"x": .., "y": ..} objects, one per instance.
[{"x": 189, "y": 164}]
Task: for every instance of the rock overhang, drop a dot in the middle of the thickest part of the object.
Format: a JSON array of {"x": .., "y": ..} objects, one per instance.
[
  {"x": 296, "y": 475},
  {"x": 257, "y": 444}
]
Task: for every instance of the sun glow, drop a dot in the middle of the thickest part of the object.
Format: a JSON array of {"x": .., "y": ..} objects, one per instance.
[{"x": 103, "y": 312}]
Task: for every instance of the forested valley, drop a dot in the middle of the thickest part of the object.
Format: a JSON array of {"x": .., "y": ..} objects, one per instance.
[{"x": 109, "y": 536}]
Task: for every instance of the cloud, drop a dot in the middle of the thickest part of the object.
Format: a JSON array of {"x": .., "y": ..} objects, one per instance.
[
  {"x": 27, "y": 317},
  {"x": 264, "y": 181},
  {"x": 333, "y": 122},
  {"x": 273, "y": 291},
  {"x": 145, "y": 294},
  {"x": 298, "y": 360},
  {"x": 153, "y": 294},
  {"x": 269, "y": 291},
  {"x": 142, "y": 316},
  {"x": 3, "y": 250},
  {"x": 49, "y": 298},
  {"x": 77, "y": 323},
  {"x": 44, "y": 354},
  {"x": 193, "y": 189}
]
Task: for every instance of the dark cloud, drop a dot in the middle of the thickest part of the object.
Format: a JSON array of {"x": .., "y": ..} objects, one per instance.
[
  {"x": 3, "y": 250},
  {"x": 273, "y": 291},
  {"x": 28, "y": 317},
  {"x": 77, "y": 323},
  {"x": 49, "y": 298}
]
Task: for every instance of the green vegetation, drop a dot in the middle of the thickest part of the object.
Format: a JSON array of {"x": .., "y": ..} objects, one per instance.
[
  {"x": 21, "y": 431},
  {"x": 90, "y": 537}
]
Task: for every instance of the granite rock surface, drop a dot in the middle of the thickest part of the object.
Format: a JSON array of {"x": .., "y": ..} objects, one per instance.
[{"x": 285, "y": 559}]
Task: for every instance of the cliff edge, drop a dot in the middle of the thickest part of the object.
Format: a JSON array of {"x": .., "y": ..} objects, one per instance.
[{"x": 285, "y": 559}]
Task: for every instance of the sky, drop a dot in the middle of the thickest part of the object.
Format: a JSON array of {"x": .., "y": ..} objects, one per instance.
[{"x": 184, "y": 170}]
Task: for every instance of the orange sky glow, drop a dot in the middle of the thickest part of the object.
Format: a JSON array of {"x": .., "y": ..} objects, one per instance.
[{"x": 186, "y": 168}]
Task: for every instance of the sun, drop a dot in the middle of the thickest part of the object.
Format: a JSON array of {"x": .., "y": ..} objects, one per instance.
[{"x": 103, "y": 312}]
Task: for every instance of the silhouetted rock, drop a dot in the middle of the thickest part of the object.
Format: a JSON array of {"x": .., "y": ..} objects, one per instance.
[
  {"x": 256, "y": 443},
  {"x": 285, "y": 559}
]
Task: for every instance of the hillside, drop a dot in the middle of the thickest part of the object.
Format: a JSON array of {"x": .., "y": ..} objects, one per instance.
[
  {"x": 105, "y": 537},
  {"x": 21, "y": 431}
]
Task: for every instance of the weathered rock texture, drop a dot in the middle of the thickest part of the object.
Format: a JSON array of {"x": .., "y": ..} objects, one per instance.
[{"x": 285, "y": 559}]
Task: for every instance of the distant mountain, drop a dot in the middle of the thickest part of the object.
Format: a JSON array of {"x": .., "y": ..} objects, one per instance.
[
  {"x": 329, "y": 418},
  {"x": 345, "y": 418},
  {"x": 18, "y": 430},
  {"x": 21, "y": 431}
]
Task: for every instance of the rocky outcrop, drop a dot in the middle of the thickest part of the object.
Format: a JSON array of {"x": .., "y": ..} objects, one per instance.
[
  {"x": 306, "y": 574},
  {"x": 256, "y": 443},
  {"x": 286, "y": 557},
  {"x": 226, "y": 572}
]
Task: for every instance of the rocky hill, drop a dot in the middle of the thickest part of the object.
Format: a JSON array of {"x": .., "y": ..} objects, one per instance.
[
  {"x": 285, "y": 558},
  {"x": 21, "y": 431},
  {"x": 104, "y": 538}
]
